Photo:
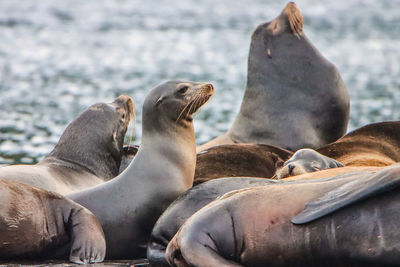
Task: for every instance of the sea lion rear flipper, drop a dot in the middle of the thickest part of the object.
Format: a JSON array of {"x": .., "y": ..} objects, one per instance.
[{"x": 351, "y": 192}]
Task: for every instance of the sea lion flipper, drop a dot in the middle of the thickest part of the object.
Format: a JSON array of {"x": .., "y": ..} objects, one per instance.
[
  {"x": 88, "y": 241},
  {"x": 351, "y": 192}
]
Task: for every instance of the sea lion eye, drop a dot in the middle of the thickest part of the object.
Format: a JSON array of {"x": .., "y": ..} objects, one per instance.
[
  {"x": 183, "y": 89},
  {"x": 123, "y": 116}
]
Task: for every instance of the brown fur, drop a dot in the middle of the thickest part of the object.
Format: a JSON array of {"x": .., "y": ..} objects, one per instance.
[
  {"x": 376, "y": 144},
  {"x": 238, "y": 160},
  {"x": 39, "y": 224}
]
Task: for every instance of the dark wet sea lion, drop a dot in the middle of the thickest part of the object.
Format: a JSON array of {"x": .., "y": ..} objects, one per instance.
[
  {"x": 186, "y": 205},
  {"x": 294, "y": 98},
  {"x": 377, "y": 144},
  {"x": 349, "y": 220},
  {"x": 162, "y": 170},
  {"x": 88, "y": 152},
  {"x": 199, "y": 196},
  {"x": 38, "y": 224},
  {"x": 305, "y": 161},
  {"x": 249, "y": 160}
]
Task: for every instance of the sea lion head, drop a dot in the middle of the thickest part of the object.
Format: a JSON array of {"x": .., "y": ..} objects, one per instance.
[
  {"x": 289, "y": 24},
  {"x": 95, "y": 138},
  {"x": 171, "y": 105},
  {"x": 305, "y": 161},
  {"x": 107, "y": 123}
]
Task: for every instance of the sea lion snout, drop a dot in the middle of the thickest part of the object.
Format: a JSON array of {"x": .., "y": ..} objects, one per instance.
[
  {"x": 208, "y": 87},
  {"x": 173, "y": 254}
]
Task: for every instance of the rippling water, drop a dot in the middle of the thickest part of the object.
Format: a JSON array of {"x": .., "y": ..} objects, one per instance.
[{"x": 59, "y": 57}]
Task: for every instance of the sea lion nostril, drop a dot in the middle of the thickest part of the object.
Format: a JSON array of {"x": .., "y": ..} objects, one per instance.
[{"x": 291, "y": 168}]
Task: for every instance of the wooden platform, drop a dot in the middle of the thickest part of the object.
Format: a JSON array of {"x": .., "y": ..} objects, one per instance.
[{"x": 122, "y": 263}]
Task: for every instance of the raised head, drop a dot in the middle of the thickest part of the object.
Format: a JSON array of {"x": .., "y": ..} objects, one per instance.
[
  {"x": 171, "y": 105},
  {"x": 306, "y": 161},
  {"x": 97, "y": 135},
  {"x": 289, "y": 24}
]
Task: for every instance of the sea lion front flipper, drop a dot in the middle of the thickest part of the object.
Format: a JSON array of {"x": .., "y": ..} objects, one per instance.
[
  {"x": 88, "y": 241},
  {"x": 351, "y": 192}
]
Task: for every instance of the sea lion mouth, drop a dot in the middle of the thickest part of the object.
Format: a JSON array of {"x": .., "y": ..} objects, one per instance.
[{"x": 198, "y": 99}]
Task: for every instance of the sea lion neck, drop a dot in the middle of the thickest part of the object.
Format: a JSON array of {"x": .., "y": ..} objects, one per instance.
[{"x": 176, "y": 150}]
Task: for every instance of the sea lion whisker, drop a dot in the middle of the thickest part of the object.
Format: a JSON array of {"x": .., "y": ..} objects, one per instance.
[
  {"x": 191, "y": 106},
  {"x": 183, "y": 110}
]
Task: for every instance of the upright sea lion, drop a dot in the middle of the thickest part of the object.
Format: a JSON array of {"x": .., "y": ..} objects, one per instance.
[
  {"x": 347, "y": 220},
  {"x": 38, "y": 224},
  {"x": 304, "y": 161},
  {"x": 249, "y": 160},
  {"x": 88, "y": 152},
  {"x": 162, "y": 170},
  {"x": 294, "y": 98},
  {"x": 376, "y": 144}
]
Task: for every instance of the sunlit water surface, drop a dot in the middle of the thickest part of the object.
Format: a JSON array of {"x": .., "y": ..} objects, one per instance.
[{"x": 59, "y": 57}]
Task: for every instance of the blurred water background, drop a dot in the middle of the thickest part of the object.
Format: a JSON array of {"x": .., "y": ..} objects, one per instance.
[{"x": 59, "y": 57}]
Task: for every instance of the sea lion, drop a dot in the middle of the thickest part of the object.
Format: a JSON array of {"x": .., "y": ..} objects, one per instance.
[
  {"x": 294, "y": 98},
  {"x": 233, "y": 160},
  {"x": 39, "y": 224},
  {"x": 88, "y": 152},
  {"x": 162, "y": 170},
  {"x": 347, "y": 220},
  {"x": 304, "y": 161},
  {"x": 199, "y": 196},
  {"x": 376, "y": 144},
  {"x": 186, "y": 205}
]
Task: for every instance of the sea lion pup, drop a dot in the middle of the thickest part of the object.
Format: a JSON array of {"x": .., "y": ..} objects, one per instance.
[
  {"x": 347, "y": 220},
  {"x": 162, "y": 170},
  {"x": 38, "y": 224},
  {"x": 304, "y": 161},
  {"x": 294, "y": 98},
  {"x": 376, "y": 144},
  {"x": 88, "y": 152},
  {"x": 233, "y": 160}
]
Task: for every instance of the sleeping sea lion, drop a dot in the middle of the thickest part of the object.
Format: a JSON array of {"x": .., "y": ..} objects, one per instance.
[
  {"x": 346, "y": 220},
  {"x": 304, "y": 161},
  {"x": 39, "y": 224}
]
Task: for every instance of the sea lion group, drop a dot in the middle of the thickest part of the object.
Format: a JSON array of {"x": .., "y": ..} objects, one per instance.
[{"x": 284, "y": 186}]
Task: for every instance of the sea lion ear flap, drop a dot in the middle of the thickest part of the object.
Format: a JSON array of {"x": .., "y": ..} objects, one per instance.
[{"x": 294, "y": 18}]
